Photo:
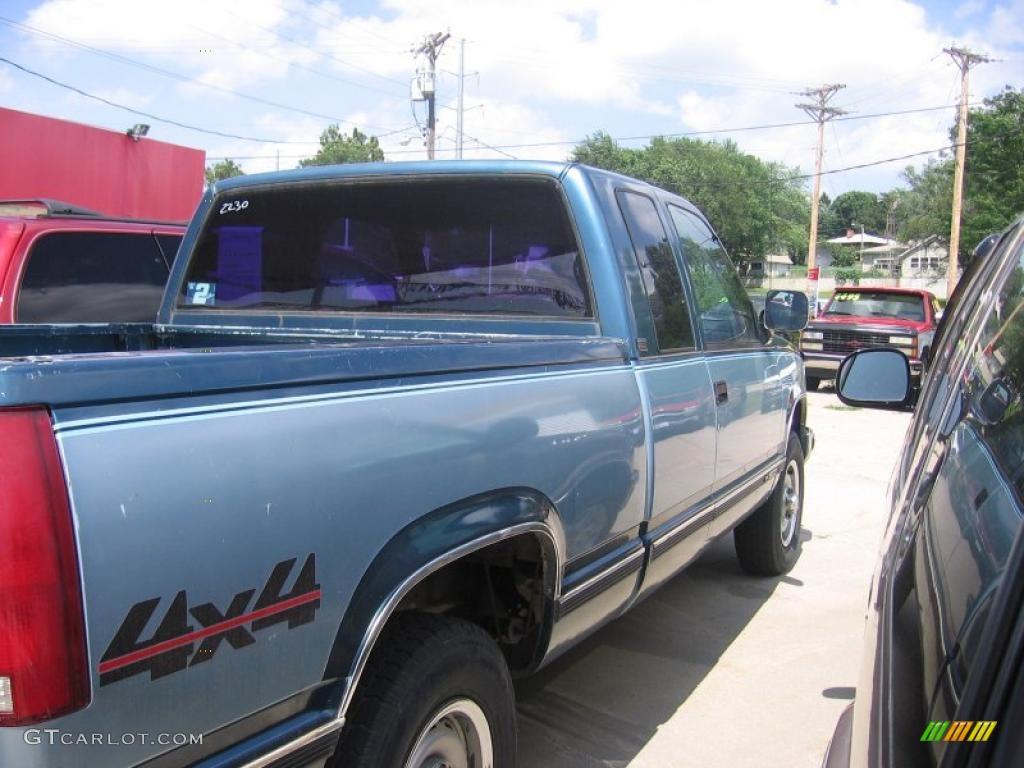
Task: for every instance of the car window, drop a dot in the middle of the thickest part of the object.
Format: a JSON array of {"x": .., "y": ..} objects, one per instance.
[
  {"x": 660, "y": 272},
  {"x": 859, "y": 303},
  {"x": 727, "y": 317},
  {"x": 169, "y": 245},
  {"x": 92, "y": 277},
  {"x": 975, "y": 508},
  {"x": 454, "y": 245}
]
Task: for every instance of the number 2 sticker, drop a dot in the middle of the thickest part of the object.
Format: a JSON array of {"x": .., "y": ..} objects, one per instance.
[{"x": 234, "y": 206}]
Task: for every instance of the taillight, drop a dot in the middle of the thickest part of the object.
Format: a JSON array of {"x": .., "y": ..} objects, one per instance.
[{"x": 43, "y": 667}]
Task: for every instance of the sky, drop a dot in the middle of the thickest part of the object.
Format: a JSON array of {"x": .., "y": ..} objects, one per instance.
[{"x": 539, "y": 75}]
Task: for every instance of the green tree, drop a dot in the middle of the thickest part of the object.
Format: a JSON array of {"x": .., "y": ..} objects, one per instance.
[
  {"x": 756, "y": 207},
  {"x": 337, "y": 148},
  {"x": 828, "y": 221},
  {"x": 856, "y": 209},
  {"x": 925, "y": 209},
  {"x": 994, "y": 181},
  {"x": 224, "y": 169}
]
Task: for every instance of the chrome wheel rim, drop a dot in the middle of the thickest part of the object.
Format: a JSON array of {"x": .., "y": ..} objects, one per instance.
[
  {"x": 456, "y": 736},
  {"x": 790, "y": 503}
]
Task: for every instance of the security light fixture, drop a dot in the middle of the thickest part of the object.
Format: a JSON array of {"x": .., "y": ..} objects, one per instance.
[{"x": 137, "y": 131}]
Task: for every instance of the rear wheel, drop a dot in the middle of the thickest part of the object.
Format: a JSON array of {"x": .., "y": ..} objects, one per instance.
[
  {"x": 768, "y": 542},
  {"x": 436, "y": 692}
]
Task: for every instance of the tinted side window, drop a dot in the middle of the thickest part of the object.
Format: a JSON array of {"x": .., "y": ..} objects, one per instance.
[
  {"x": 975, "y": 523},
  {"x": 727, "y": 317},
  {"x": 444, "y": 245},
  {"x": 662, "y": 281},
  {"x": 92, "y": 277},
  {"x": 169, "y": 245}
]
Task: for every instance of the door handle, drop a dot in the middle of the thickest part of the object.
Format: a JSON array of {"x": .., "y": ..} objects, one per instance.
[{"x": 721, "y": 392}]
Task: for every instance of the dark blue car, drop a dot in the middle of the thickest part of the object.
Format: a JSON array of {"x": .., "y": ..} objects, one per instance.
[{"x": 943, "y": 678}]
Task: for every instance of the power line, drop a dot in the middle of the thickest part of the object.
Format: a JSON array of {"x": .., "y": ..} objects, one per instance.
[
  {"x": 149, "y": 115},
  {"x": 334, "y": 58},
  {"x": 712, "y": 131},
  {"x": 177, "y": 76},
  {"x": 702, "y": 182},
  {"x": 297, "y": 64}
]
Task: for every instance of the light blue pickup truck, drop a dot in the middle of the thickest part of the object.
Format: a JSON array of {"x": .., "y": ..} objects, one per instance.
[{"x": 400, "y": 433}]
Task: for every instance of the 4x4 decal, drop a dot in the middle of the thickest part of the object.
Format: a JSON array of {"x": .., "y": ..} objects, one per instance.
[{"x": 173, "y": 646}]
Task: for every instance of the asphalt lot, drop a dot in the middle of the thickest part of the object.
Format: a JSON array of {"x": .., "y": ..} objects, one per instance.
[{"x": 721, "y": 669}]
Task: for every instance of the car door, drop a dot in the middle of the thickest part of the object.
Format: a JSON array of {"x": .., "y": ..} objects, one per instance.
[
  {"x": 972, "y": 493},
  {"x": 750, "y": 402},
  {"x": 676, "y": 388}
]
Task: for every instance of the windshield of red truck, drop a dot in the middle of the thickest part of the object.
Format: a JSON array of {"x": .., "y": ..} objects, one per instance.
[
  {"x": 441, "y": 245},
  {"x": 902, "y": 306}
]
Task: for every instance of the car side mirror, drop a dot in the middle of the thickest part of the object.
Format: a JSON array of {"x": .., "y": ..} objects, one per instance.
[
  {"x": 785, "y": 311},
  {"x": 875, "y": 378},
  {"x": 991, "y": 404}
]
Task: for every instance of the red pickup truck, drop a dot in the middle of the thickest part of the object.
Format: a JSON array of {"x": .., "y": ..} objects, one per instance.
[
  {"x": 63, "y": 264},
  {"x": 858, "y": 318}
]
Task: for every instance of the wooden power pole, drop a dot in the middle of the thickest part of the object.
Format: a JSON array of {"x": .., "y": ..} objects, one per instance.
[
  {"x": 964, "y": 59},
  {"x": 821, "y": 113},
  {"x": 431, "y": 48}
]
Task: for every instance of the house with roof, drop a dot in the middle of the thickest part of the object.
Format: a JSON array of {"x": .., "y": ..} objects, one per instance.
[
  {"x": 926, "y": 258},
  {"x": 874, "y": 252},
  {"x": 770, "y": 265}
]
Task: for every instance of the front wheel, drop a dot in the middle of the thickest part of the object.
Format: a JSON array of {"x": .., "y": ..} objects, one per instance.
[
  {"x": 768, "y": 542},
  {"x": 436, "y": 692}
]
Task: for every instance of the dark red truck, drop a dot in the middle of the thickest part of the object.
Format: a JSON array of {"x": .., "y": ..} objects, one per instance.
[
  {"x": 63, "y": 264},
  {"x": 859, "y": 318}
]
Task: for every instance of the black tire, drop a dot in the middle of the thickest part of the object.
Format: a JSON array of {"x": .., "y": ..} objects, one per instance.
[
  {"x": 762, "y": 544},
  {"x": 422, "y": 664},
  {"x": 813, "y": 383}
]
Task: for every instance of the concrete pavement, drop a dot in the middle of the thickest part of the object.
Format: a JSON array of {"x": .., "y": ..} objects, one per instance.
[{"x": 721, "y": 669}]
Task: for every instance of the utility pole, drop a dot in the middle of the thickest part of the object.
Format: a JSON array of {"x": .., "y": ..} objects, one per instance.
[
  {"x": 462, "y": 79},
  {"x": 965, "y": 60},
  {"x": 431, "y": 48},
  {"x": 821, "y": 113}
]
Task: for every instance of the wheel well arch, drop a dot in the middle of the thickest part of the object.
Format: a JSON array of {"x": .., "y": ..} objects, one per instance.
[
  {"x": 798, "y": 420},
  {"x": 419, "y": 569}
]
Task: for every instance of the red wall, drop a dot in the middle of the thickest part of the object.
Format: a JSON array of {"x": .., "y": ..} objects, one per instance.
[{"x": 96, "y": 168}]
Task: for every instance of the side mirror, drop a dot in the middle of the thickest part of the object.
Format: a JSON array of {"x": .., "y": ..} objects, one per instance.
[
  {"x": 991, "y": 404},
  {"x": 785, "y": 311},
  {"x": 875, "y": 378},
  {"x": 984, "y": 248}
]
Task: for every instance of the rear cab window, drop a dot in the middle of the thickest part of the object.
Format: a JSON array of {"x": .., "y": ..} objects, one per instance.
[
  {"x": 449, "y": 246},
  {"x": 92, "y": 277}
]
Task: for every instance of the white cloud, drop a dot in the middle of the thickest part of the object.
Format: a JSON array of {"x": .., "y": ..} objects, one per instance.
[{"x": 552, "y": 70}]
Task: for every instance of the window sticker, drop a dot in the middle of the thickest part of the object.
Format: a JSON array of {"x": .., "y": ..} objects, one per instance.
[
  {"x": 201, "y": 294},
  {"x": 234, "y": 206}
]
